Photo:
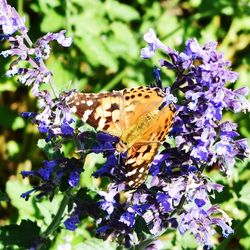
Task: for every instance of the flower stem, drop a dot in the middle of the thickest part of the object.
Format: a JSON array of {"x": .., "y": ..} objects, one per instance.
[
  {"x": 57, "y": 219},
  {"x": 51, "y": 82}
]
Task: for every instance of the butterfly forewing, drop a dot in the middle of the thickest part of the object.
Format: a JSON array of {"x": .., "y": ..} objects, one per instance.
[
  {"x": 134, "y": 115},
  {"x": 159, "y": 129},
  {"x": 140, "y": 101},
  {"x": 102, "y": 111}
]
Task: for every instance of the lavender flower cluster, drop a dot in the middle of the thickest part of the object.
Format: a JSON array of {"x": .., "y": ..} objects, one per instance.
[
  {"x": 177, "y": 193},
  {"x": 54, "y": 119}
]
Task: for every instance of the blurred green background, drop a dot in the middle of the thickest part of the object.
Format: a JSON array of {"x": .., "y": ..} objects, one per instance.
[{"x": 105, "y": 55}]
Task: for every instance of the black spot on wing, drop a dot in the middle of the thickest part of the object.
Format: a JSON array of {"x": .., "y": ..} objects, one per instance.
[{"x": 114, "y": 106}]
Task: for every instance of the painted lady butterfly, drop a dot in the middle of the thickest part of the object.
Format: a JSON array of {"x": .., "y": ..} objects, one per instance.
[{"x": 138, "y": 116}]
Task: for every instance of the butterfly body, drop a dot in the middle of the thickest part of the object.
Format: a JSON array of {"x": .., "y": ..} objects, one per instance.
[{"x": 137, "y": 116}]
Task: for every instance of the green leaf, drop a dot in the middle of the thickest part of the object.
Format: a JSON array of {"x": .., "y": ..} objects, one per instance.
[
  {"x": 245, "y": 242},
  {"x": 18, "y": 123},
  {"x": 13, "y": 148},
  {"x": 51, "y": 3},
  {"x": 49, "y": 149},
  {"x": 245, "y": 194},
  {"x": 8, "y": 86},
  {"x": 4, "y": 197},
  {"x": 48, "y": 209},
  {"x": 123, "y": 42},
  {"x": 61, "y": 76},
  {"x": 96, "y": 244},
  {"x": 245, "y": 238},
  {"x": 52, "y": 21},
  {"x": 186, "y": 241},
  {"x": 22, "y": 235},
  {"x": 96, "y": 52},
  {"x": 9, "y": 117},
  {"x": 91, "y": 161},
  {"x": 14, "y": 188},
  {"x": 124, "y": 12},
  {"x": 90, "y": 20}
]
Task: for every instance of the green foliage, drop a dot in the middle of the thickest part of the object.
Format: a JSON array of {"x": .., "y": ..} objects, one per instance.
[
  {"x": 105, "y": 55},
  {"x": 95, "y": 244},
  {"x": 20, "y": 235}
]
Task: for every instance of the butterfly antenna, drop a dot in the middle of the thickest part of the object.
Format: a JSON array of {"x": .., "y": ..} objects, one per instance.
[
  {"x": 86, "y": 151},
  {"x": 69, "y": 84}
]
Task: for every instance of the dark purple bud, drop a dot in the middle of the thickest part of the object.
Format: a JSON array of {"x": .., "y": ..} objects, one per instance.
[
  {"x": 74, "y": 178},
  {"x": 72, "y": 222},
  {"x": 28, "y": 114},
  {"x": 199, "y": 202}
]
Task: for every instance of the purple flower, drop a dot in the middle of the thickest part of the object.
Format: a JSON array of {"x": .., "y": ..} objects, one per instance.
[
  {"x": 10, "y": 21},
  {"x": 21, "y": 46},
  {"x": 153, "y": 44},
  {"x": 156, "y": 245},
  {"x": 54, "y": 172},
  {"x": 27, "y": 173},
  {"x": 163, "y": 200},
  {"x": 202, "y": 222},
  {"x": 128, "y": 219},
  {"x": 74, "y": 178},
  {"x": 45, "y": 172},
  {"x": 72, "y": 222},
  {"x": 42, "y": 50},
  {"x": 109, "y": 201}
]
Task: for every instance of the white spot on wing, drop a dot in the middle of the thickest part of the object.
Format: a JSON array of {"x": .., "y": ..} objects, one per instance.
[
  {"x": 89, "y": 102},
  {"x": 106, "y": 103},
  {"x": 99, "y": 111},
  {"x": 102, "y": 123},
  {"x": 141, "y": 170},
  {"x": 115, "y": 115},
  {"x": 131, "y": 172},
  {"x": 130, "y": 183},
  {"x": 106, "y": 113},
  {"x": 73, "y": 109},
  {"x": 129, "y": 108},
  {"x": 130, "y": 161},
  {"x": 86, "y": 115}
]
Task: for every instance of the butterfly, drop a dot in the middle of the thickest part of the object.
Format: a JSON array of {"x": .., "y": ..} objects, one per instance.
[{"x": 138, "y": 116}]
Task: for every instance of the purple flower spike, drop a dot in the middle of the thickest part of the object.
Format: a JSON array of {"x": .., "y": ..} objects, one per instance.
[
  {"x": 10, "y": 21},
  {"x": 201, "y": 140}
]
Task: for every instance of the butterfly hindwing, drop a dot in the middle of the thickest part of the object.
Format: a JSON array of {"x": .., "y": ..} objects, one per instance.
[{"x": 139, "y": 157}]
